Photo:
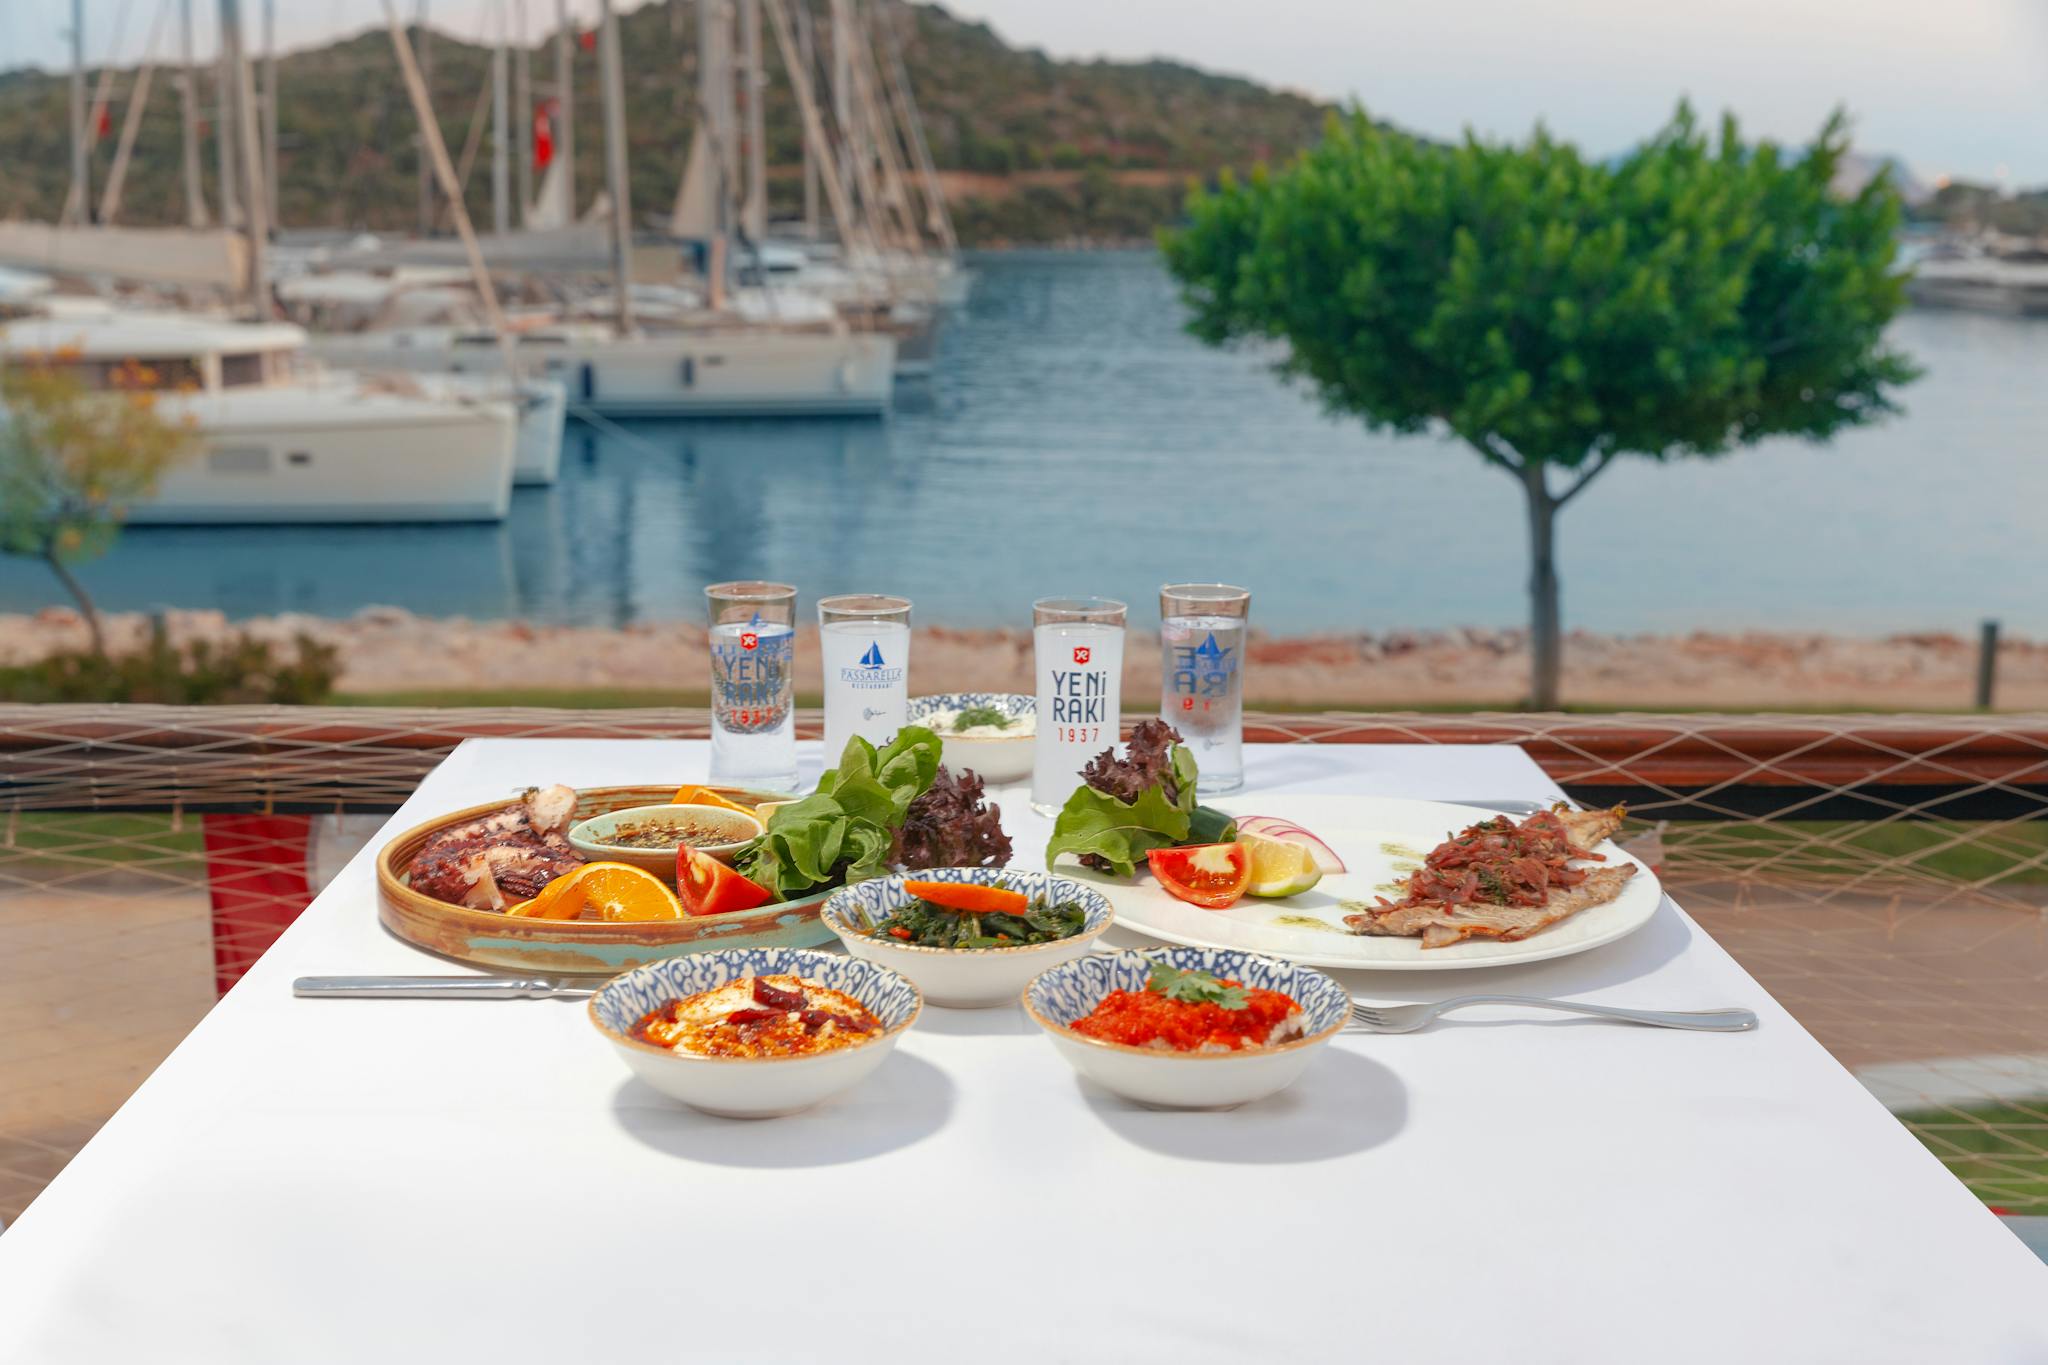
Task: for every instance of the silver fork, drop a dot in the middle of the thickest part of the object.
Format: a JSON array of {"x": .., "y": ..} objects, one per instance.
[{"x": 1408, "y": 1018}]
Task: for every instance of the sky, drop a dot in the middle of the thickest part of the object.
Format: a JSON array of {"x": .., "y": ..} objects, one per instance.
[{"x": 1957, "y": 89}]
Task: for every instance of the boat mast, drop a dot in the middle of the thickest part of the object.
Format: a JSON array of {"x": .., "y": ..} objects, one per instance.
[
  {"x": 836, "y": 194},
  {"x": 223, "y": 138},
  {"x": 188, "y": 105},
  {"x": 754, "y": 207},
  {"x": 501, "y": 135},
  {"x": 255, "y": 224},
  {"x": 807, "y": 53},
  {"x": 270, "y": 111},
  {"x": 615, "y": 161},
  {"x": 79, "y": 168},
  {"x": 522, "y": 111},
  {"x": 131, "y": 124},
  {"x": 565, "y": 103},
  {"x": 716, "y": 114},
  {"x": 938, "y": 218},
  {"x": 436, "y": 157},
  {"x": 426, "y": 67}
]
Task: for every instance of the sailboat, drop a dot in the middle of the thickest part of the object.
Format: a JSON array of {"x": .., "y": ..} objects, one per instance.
[
  {"x": 696, "y": 356},
  {"x": 281, "y": 440}
]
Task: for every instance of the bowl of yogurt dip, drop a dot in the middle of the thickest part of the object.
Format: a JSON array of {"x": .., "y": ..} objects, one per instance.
[{"x": 990, "y": 732}]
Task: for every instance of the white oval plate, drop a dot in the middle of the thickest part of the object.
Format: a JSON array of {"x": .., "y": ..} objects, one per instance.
[{"x": 1358, "y": 827}]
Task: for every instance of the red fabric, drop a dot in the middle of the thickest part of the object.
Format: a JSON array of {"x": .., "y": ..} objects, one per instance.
[
  {"x": 544, "y": 135},
  {"x": 589, "y": 39},
  {"x": 105, "y": 124},
  {"x": 256, "y": 876}
]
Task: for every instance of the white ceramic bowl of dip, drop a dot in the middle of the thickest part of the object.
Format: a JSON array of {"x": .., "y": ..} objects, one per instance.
[
  {"x": 591, "y": 837},
  {"x": 963, "y": 978},
  {"x": 998, "y": 754},
  {"x": 752, "y": 1087},
  {"x": 1185, "y": 1080}
]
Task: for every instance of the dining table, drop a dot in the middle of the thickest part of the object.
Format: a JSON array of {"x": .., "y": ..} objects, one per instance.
[{"x": 339, "y": 1180}]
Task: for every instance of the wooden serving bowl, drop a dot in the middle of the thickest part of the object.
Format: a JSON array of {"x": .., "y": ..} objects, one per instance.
[{"x": 580, "y": 947}]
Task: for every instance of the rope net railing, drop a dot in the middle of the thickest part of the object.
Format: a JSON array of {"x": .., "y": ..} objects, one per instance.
[{"x": 1885, "y": 877}]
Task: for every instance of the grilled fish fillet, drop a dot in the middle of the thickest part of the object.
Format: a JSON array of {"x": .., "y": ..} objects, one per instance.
[
  {"x": 1588, "y": 828},
  {"x": 1440, "y": 927}
]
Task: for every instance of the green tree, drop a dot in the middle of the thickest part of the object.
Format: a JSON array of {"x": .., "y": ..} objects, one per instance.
[
  {"x": 73, "y": 459},
  {"x": 1555, "y": 313}
]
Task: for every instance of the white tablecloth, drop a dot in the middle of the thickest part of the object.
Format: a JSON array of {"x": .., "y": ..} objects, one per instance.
[{"x": 315, "y": 1181}]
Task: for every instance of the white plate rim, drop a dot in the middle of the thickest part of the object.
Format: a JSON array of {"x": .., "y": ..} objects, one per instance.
[{"x": 1530, "y": 950}]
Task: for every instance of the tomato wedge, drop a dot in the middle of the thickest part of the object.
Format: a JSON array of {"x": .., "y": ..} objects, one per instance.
[
  {"x": 1212, "y": 876},
  {"x": 709, "y": 887},
  {"x": 971, "y": 897}
]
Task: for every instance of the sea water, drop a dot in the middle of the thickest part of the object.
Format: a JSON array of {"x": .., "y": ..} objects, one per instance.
[
  {"x": 1201, "y": 693},
  {"x": 1080, "y": 699},
  {"x": 867, "y": 682},
  {"x": 753, "y": 704}
]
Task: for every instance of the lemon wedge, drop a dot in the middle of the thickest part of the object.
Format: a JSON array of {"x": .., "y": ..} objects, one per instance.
[{"x": 1278, "y": 868}]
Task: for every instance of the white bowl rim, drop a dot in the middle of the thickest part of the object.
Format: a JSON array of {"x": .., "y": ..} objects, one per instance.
[
  {"x": 1061, "y": 1031},
  {"x": 628, "y": 1040},
  {"x": 576, "y": 830}
]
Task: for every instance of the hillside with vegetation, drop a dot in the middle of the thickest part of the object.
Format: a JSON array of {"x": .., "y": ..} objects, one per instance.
[{"x": 1036, "y": 149}]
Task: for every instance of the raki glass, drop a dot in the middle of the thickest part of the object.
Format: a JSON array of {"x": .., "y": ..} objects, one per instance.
[
  {"x": 1201, "y": 666},
  {"x": 753, "y": 684},
  {"x": 865, "y": 642},
  {"x": 1079, "y": 646}
]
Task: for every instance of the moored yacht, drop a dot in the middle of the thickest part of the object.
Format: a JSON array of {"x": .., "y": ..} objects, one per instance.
[{"x": 279, "y": 440}]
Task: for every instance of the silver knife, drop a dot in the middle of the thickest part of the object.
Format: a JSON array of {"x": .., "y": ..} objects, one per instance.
[{"x": 434, "y": 988}]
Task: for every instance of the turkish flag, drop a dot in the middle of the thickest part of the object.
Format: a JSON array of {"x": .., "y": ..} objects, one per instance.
[
  {"x": 544, "y": 135},
  {"x": 105, "y": 124},
  {"x": 589, "y": 39}
]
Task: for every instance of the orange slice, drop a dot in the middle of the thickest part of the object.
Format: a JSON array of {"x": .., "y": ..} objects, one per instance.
[
  {"x": 704, "y": 796},
  {"x": 554, "y": 900},
  {"x": 615, "y": 892},
  {"x": 620, "y": 892}
]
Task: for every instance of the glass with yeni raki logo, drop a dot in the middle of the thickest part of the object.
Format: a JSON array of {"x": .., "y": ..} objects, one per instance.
[
  {"x": 753, "y": 684},
  {"x": 1079, "y": 644}
]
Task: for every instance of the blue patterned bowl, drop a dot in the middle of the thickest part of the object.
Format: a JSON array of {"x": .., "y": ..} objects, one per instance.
[
  {"x": 751, "y": 1087},
  {"x": 962, "y": 978},
  {"x": 1185, "y": 1080},
  {"x": 997, "y": 758}
]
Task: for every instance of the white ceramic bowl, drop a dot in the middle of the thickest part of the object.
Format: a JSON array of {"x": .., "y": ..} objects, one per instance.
[
  {"x": 997, "y": 758},
  {"x": 752, "y": 1087},
  {"x": 962, "y": 978},
  {"x": 1184, "y": 1080},
  {"x": 588, "y": 836}
]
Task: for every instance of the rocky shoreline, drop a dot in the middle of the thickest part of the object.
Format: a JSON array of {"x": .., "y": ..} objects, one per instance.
[{"x": 386, "y": 649}]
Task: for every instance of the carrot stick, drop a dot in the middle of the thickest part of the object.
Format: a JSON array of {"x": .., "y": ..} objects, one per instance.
[{"x": 971, "y": 897}]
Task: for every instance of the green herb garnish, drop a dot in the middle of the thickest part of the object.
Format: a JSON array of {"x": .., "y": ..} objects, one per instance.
[
  {"x": 934, "y": 926},
  {"x": 1193, "y": 987},
  {"x": 974, "y": 716}
]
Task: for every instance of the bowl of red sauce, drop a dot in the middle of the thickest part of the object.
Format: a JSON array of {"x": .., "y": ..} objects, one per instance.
[{"x": 1188, "y": 1028}]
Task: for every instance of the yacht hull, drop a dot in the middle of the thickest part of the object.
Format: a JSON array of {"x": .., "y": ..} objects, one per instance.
[{"x": 382, "y": 459}]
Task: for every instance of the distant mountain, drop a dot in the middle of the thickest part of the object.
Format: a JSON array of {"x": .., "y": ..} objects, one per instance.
[{"x": 1036, "y": 149}]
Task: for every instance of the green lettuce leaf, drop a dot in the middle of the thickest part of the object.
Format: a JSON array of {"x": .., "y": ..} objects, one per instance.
[
  {"x": 843, "y": 831},
  {"x": 1120, "y": 832}
]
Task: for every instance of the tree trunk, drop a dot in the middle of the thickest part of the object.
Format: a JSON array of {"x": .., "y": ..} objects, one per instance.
[
  {"x": 84, "y": 600},
  {"x": 1546, "y": 650}
]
